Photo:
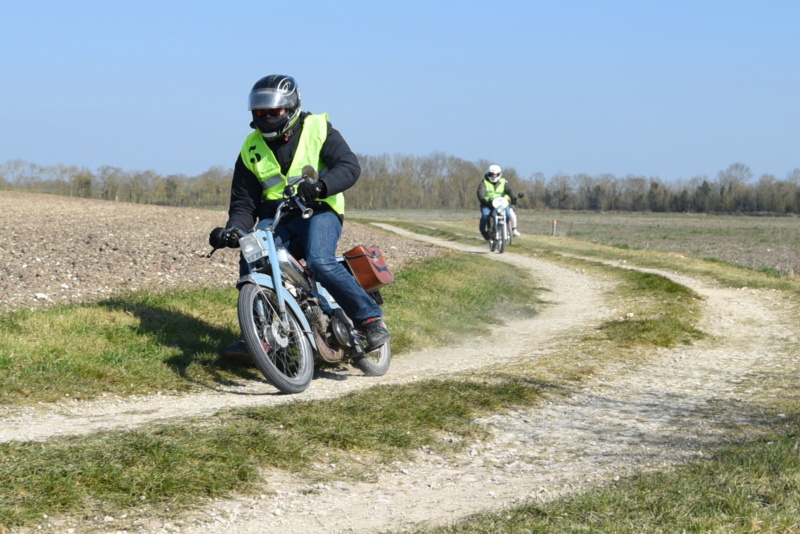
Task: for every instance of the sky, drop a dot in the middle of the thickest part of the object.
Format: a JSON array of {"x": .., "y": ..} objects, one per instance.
[{"x": 667, "y": 89}]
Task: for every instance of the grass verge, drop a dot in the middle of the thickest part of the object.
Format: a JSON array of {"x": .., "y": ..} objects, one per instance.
[
  {"x": 175, "y": 466},
  {"x": 560, "y": 248},
  {"x": 170, "y": 342},
  {"x": 169, "y": 468}
]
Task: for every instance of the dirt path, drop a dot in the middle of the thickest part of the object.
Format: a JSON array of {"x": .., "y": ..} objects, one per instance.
[
  {"x": 648, "y": 417},
  {"x": 578, "y": 304}
]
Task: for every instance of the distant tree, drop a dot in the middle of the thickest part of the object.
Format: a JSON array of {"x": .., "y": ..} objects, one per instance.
[
  {"x": 174, "y": 190},
  {"x": 82, "y": 183},
  {"x": 704, "y": 199},
  {"x": 20, "y": 174},
  {"x": 216, "y": 183},
  {"x": 584, "y": 187},
  {"x": 461, "y": 179},
  {"x": 535, "y": 190},
  {"x": 681, "y": 201},
  {"x": 659, "y": 197},
  {"x": 108, "y": 180},
  {"x": 435, "y": 181},
  {"x": 732, "y": 187},
  {"x": 633, "y": 196},
  {"x": 139, "y": 187},
  {"x": 560, "y": 189}
]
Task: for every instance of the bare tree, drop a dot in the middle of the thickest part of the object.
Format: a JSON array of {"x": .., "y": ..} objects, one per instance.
[{"x": 732, "y": 190}]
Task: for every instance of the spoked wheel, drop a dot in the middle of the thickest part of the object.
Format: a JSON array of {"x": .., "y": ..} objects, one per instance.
[
  {"x": 492, "y": 235},
  {"x": 279, "y": 349},
  {"x": 375, "y": 363},
  {"x": 502, "y": 236}
]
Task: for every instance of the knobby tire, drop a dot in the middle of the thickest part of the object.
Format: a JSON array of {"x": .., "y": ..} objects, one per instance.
[
  {"x": 287, "y": 364},
  {"x": 375, "y": 363}
]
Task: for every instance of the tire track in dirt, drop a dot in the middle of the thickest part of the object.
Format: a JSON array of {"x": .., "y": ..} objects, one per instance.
[
  {"x": 577, "y": 303},
  {"x": 678, "y": 406}
]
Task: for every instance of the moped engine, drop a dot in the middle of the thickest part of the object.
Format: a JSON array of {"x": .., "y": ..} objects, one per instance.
[{"x": 340, "y": 327}]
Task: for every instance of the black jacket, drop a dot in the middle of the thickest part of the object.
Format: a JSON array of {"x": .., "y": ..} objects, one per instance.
[{"x": 247, "y": 203}]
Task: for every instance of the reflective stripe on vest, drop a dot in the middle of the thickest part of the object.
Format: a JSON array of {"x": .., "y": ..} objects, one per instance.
[
  {"x": 258, "y": 157},
  {"x": 495, "y": 190}
]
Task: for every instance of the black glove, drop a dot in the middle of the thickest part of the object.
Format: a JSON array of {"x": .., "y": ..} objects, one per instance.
[
  {"x": 308, "y": 191},
  {"x": 217, "y": 239}
]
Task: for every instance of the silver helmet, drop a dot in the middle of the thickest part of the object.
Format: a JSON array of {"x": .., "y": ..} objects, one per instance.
[{"x": 275, "y": 104}]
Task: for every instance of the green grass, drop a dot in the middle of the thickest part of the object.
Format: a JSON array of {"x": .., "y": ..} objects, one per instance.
[
  {"x": 443, "y": 299},
  {"x": 170, "y": 342},
  {"x": 131, "y": 344},
  {"x": 147, "y": 343},
  {"x": 666, "y": 321},
  {"x": 177, "y": 465},
  {"x": 560, "y": 249}
]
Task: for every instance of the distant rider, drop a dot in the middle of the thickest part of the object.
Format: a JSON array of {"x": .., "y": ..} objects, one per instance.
[
  {"x": 284, "y": 139},
  {"x": 492, "y": 186}
]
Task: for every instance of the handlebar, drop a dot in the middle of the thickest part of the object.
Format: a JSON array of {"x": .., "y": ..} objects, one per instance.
[
  {"x": 233, "y": 230},
  {"x": 291, "y": 199}
]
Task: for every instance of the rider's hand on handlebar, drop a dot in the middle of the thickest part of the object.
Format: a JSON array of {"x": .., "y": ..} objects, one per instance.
[
  {"x": 219, "y": 238},
  {"x": 309, "y": 191}
]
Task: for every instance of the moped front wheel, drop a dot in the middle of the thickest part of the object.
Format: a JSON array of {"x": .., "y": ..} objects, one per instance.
[
  {"x": 278, "y": 347},
  {"x": 375, "y": 363},
  {"x": 501, "y": 238}
]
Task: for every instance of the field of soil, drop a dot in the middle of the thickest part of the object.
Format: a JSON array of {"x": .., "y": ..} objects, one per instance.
[
  {"x": 622, "y": 420},
  {"x": 56, "y": 249}
]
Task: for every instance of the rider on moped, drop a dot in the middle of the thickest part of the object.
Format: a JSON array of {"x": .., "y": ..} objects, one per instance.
[
  {"x": 284, "y": 139},
  {"x": 492, "y": 186}
]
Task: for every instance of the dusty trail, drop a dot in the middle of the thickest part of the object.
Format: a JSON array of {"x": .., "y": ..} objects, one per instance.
[
  {"x": 580, "y": 310},
  {"x": 650, "y": 417},
  {"x": 647, "y": 417}
]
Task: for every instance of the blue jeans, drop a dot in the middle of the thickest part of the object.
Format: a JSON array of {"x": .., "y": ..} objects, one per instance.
[
  {"x": 318, "y": 237},
  {"x": 485, "y": 214}
]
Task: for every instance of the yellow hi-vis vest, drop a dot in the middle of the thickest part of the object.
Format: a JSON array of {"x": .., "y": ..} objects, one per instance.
[
  {"x": 258, "y": 157},
  {"x": 495, "y": 190}
]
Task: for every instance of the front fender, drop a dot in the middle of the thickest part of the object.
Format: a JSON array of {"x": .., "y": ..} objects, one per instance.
[{"x": 266, "y": 281}]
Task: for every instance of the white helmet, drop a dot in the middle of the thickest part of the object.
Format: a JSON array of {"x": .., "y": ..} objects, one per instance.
[{"x": 494, "y": 173}]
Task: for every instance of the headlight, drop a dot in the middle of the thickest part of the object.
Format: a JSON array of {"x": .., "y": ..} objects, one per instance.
[
  {"x": 500, "y": 203},
  {"x": 254, "y": 246}
]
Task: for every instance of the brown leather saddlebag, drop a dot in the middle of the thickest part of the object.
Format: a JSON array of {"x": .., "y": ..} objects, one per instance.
[{"x": 369, "y": 267}]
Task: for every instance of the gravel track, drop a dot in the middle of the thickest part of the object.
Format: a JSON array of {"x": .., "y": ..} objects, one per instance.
[{"x": 681, "y": 405}]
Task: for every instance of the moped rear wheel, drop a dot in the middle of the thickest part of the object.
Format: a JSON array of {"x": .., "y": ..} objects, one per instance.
[
  {"x": 375, "y": 363},
  {"x": 279, "y": 348}
]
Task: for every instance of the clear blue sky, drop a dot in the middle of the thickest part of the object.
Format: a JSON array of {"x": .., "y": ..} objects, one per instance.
[{"x": 670, "y": 89}]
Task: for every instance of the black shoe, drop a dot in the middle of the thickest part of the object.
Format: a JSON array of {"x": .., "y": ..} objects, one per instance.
[
  {"x": 374, "y": 332},
  {"x": 236, "y": 349}
]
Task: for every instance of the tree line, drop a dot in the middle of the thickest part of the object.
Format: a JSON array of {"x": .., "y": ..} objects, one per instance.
[{"x": 435, "y": 181}]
